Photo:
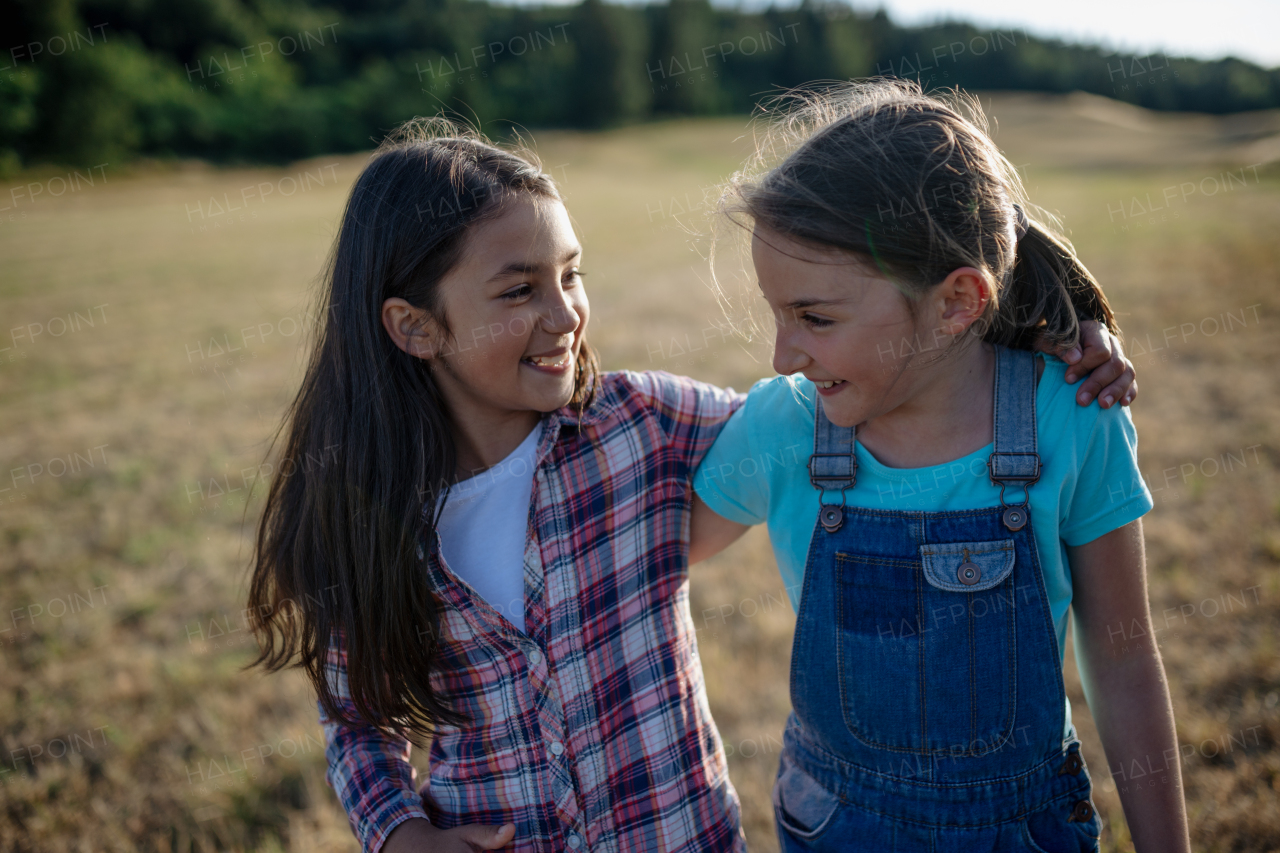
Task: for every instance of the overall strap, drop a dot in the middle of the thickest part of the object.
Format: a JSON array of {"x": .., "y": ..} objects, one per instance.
[
  {"x": 1015, "y": 460},
  {"x": 832, "y": 467}
]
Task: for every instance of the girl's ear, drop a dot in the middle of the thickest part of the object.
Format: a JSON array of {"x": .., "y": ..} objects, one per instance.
[
  {"x": 412, "y": 329},
  {"x": 963, "y": 298}
]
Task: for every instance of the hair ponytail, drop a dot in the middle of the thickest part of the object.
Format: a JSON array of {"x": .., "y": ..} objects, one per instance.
[{"x": 1048, "y": 294}]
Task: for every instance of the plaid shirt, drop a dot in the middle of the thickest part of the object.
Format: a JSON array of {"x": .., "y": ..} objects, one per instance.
[{"x": 592, "y": 729}]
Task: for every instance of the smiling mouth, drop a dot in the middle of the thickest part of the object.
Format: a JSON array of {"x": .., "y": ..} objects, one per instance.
[
  {"x": 828, "y": 383},
  {"x": 549, "y": 360}
]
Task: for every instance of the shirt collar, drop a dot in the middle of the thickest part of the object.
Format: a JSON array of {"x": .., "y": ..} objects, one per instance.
[{"x": 602, "y": 408}]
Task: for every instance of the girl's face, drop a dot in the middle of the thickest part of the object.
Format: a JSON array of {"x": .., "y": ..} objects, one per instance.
[
  {"x": 517, "y": 312},
  {"x": 850, "y": 331}
]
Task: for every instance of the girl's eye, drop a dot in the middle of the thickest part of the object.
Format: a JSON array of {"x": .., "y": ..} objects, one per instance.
[
  {"x": 518, "y": 292},
  {"x": 815, "y": 322},
  {"x": 574, "y": 276}
]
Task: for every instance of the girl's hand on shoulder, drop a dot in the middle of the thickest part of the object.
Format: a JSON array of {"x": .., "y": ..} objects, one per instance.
[
  {"x": 419, "y": 836},
  {"x": 1111, "y": 377}
]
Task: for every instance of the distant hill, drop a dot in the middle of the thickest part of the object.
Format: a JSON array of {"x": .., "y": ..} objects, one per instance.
[{"x": 103, "y": 81}]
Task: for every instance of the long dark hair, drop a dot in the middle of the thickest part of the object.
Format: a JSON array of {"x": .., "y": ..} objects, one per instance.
[
  {"x": 913, "y": 184},
  {"x": 367, "y": 441}
]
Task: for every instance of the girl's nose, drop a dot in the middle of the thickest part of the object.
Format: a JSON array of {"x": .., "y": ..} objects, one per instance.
[
  {"x": 560, "y": 317},
  {"x": 787, "y": 358}
]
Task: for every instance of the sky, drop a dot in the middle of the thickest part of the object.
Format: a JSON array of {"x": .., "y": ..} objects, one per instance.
[
  {"x": 1207, "y": 29},
  {"x": 1246, "y": 29}
]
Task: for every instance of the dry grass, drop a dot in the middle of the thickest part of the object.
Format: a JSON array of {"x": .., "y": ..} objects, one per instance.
[{"x": 166, "y": 745}]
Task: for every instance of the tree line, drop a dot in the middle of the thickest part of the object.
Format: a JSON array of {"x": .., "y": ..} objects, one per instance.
[{"x": 92, "y": 81}]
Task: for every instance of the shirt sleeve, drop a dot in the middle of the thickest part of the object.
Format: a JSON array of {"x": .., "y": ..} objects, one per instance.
[
  {"x": 728, "y": 481},
  {"x": 1110, "y": 491},
  {"x": 691, "y": 413},
  {"x": 369, "y": 771}
]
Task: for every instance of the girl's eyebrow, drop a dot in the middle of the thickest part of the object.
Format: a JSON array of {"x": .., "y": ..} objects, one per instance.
[
  {"x": 798, "y": 304},
  {"x": 523, "y": 268}
]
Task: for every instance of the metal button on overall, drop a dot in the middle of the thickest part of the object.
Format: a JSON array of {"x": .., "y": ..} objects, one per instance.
[
  {"x": 968, "y": 572},
  {"x": 1073, "y": 765},
  {"x": 1083, "y": 811},
  {"x": 832, "y": 518},
  {"x": 1015, "y": 518}
]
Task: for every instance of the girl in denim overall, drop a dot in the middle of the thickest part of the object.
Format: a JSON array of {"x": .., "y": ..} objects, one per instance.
[{"x": 953, "y": 506}]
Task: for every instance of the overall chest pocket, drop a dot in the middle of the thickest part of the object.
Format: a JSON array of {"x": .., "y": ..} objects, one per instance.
[{"x": 926, "y": 648}]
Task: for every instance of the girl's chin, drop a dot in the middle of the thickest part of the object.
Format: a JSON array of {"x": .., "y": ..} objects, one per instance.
[
  {"x": 842, "y": 416},
  {"x": 548, "y": 399}
]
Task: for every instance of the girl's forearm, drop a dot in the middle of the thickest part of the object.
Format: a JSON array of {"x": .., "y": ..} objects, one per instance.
[{"x": 1129, "y": 698}]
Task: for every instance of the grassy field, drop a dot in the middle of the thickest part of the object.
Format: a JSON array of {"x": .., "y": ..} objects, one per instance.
[{"x": 153, "y": 332}]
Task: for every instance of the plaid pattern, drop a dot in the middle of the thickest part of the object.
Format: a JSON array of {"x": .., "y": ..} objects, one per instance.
[{"x": 591, "y": 730}]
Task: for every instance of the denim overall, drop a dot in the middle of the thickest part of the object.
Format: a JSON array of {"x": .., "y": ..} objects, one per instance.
[{"x": 925, "y": 678}]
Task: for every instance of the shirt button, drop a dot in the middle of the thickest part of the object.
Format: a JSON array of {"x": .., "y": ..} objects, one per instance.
[
  {"x": 574, "y": 841},
  {"x": 557, "y": 748},
  {"x": 535, "y": 657}
]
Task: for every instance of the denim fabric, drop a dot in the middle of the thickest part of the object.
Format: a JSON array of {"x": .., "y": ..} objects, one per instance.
[
  {"x": 825, "y": 805},
  {"x": 925, "y": 678}
]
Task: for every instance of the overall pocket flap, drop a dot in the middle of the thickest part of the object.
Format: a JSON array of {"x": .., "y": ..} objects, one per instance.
[{"x": 967, "y": 566}]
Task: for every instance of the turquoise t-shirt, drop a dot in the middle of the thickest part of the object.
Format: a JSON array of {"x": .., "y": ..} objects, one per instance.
[{"x": 1089, "y": 485}]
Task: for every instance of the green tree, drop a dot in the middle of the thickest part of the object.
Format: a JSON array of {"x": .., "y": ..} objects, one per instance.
[
  {"x": 679, "y": 73},
  {"x": 609, "y": 84}
]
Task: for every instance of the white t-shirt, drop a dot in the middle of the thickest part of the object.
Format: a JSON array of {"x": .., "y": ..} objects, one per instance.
[{"x": 482, "y": 529}]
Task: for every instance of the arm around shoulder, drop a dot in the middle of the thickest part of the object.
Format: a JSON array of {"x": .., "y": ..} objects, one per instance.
[{"x": 680, "y": 400}]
